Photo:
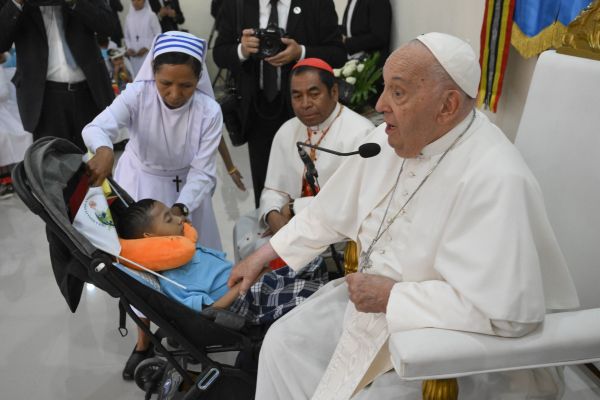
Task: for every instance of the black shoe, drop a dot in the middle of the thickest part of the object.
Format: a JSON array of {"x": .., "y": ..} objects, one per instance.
[{"x": 134, "y": 360}]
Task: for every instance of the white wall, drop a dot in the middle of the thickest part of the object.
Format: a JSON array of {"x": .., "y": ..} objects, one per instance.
[{"x": 462, "y": 18}]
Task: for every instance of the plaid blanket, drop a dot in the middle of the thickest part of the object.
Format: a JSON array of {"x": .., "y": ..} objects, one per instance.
[{"x": 277, "y": 292}]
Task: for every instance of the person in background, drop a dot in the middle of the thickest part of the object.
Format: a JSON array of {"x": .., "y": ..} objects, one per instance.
[
  {"x": 169, "y": 14},
  {"x": 14, "y": 140},
  {"x": 366, "y": 28},
  {"x": 61, "y": 79},
  {"x": 141, "y": 27},
  {"x": 120, "y": 70},
  {"x": 117, "y": 34},
  {"x": 232, "y": 171},
  {"x": 321, "y": 121},
  {"x": 105, "y": 44},
  {"x": 311, "y": 29}
]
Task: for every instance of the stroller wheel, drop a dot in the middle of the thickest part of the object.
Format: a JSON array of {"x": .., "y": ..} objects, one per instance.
[
  {"x": 148, "y": 374},
  {"x": 169, "y": 387}
]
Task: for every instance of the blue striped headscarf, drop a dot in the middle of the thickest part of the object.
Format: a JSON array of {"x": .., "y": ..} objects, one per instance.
[{"x": 181, "y": 42}]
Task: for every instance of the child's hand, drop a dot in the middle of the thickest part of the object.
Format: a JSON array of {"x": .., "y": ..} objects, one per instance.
[{"x": 237, "y": 177}]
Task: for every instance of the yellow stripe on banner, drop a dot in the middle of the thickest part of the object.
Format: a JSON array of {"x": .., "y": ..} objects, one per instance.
[
  {"x": 551, "y": 36},
  {"x": 486, "y": 53},
  {"x": 500, "y": 54}
]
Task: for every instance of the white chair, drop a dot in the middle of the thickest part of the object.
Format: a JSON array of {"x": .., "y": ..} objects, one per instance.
[{"x": 559, "y": 137}]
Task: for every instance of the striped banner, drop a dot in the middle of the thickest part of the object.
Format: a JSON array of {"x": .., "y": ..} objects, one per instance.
[{"x": 495, "y": 44}]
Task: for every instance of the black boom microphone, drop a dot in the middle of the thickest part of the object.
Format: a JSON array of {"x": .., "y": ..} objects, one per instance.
[{"x": 365, "y": 150}]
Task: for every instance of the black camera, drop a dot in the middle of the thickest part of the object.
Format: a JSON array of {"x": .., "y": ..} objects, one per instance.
[{"x": 270, "y": 41}]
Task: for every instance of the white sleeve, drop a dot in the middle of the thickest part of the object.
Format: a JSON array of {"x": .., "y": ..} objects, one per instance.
[
  {"x": 271, "y": 200},
  {"x": 414, "y": 305},
  {"x": 104, "y": 129},
  {"x": 201, "y": 179},
  {"x": 301, "y": 203}
]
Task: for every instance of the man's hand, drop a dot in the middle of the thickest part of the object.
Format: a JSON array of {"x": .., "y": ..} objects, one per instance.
[
  {"x": 277, "y": 220},
  {"x": 249, "y": 43},
  {"x": 292, "y": 53},
  {"x": 369, "y": 293},
  {"x": 142, "y": 52},
  {"x": 100, "y": 166},
  {"x": 163, "y": 12},
  {"x": 247, "y": 271},
  {"x": 130, "y": 52}
]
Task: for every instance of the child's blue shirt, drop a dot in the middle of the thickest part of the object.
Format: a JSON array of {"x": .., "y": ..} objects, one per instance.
[{"x": 205, "y": 278}]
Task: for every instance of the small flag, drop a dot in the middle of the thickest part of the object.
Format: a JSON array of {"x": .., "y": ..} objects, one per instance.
[{"x": 94, "y": 221}]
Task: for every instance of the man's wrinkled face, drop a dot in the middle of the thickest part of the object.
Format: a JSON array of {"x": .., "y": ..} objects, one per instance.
[
  {"x": 410, "y": 101},
  {"x": 163, "y": 222},
  {"x": 311, "y": 100},
  {"x": 176, "y": 83}
]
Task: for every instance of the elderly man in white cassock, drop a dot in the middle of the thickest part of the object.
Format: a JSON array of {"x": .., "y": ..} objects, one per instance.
[{"x": 452, "y": 231}]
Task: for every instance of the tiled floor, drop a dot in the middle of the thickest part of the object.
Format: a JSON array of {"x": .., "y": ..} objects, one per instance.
[{"x": 48, "y": 353}]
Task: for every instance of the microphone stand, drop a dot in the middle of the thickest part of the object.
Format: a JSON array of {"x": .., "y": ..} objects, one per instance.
[{"x": 337, "y": 258}]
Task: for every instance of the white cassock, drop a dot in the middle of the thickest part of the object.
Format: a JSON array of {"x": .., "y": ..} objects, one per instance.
[
  {"x": 141, "y": 26},
  {"x": 474, "y": 251},
  {"x": 14, "y": 140},
  {"x": 171, "y": 153},
  {"x": 347, "y": 129}
]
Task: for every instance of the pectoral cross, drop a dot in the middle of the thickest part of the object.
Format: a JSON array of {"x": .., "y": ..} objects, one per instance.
[{"x": 177, "y": 182}]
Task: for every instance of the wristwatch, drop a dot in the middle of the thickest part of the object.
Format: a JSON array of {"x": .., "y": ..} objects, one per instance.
[
  {"x": 291, "y": 207},
  {"x": 184, "y": 210}
]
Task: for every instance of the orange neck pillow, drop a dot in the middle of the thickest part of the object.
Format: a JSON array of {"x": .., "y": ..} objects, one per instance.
[{"x": 160, "y": 253}]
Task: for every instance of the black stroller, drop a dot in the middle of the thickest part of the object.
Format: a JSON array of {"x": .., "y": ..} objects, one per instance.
[{"x": 47, "y": 181}]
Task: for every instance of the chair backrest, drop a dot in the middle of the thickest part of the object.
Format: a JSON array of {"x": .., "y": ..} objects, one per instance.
[{"x": 559, "y": 137}]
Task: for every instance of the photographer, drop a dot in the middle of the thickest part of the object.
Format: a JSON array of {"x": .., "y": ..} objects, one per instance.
[
  {"x": 61, "y": 78},
  {"x": 261, "y": 62},
  {"x": 169, "y": 14}
]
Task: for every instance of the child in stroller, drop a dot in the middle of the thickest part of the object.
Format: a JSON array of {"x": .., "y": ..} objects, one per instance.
[
  {"x": 148, "y": 227},
  {"x": 205, "y": 274}
]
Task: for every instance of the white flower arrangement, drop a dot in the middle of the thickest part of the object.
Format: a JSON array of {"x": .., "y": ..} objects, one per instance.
[{"x": 362, "y": 76}]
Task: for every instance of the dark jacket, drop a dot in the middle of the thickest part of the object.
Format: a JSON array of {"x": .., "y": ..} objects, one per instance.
[
  {"x": 26, "y": 30},
  {"x": 168, "y": 23},
  {"x": 370, "y": 27},
  {"x": 312, "y": 23}
]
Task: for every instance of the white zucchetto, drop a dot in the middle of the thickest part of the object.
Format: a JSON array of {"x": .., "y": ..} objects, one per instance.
[{"x": 457, "y": 58}]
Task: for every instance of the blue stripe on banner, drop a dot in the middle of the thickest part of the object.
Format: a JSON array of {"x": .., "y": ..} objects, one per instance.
[
  {"x": 532, "y": 16},
  {"x": 174, "y": 47},
  {"x": 193, "y": 42}
]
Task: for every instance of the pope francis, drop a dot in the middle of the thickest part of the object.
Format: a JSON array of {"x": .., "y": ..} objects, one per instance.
[{"x": 452, "y": 232}]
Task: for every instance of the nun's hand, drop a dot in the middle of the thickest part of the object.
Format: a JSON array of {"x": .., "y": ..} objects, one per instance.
[{"x": 100, "y": 166}]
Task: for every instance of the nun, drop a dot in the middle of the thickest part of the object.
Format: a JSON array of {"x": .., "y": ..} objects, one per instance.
[{"x": 174, "y": 125}]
